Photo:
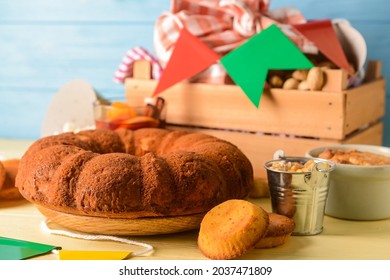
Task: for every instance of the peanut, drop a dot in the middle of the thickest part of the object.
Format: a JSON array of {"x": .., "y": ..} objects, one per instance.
[
  {"x": 290, "y": 83},
  {"x": 275, "y": 81},
  {"x": 315, "y": 78},
  {"x": 327, "y": 65},
  {"x": 300, "y": 75},
  {"x": 303, "y": 85}
]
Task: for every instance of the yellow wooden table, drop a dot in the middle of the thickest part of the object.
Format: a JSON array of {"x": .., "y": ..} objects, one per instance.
[{"x": 341, "y": 239}]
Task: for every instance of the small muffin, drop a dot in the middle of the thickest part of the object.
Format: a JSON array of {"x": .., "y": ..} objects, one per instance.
[
  {"x": 231, "y": 228},
  {"x": 9, "y": 191},
  {"x": 278, "y": 232}
]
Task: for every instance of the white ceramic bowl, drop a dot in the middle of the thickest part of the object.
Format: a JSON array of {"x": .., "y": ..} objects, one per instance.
[{"x": 358, "y": 192}]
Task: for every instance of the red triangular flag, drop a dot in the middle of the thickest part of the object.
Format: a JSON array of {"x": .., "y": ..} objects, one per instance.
[
  {"x": 322, "y": 34},
  {"x": 189, "y": 57}
]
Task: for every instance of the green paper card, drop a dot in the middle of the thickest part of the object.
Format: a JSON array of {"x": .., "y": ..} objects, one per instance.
[
  {"x": 248, "y": 65},
  {"x": 14, "y": 249}
]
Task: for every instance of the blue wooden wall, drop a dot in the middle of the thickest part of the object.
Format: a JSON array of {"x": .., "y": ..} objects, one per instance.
[{"x": 44, "y": 44}]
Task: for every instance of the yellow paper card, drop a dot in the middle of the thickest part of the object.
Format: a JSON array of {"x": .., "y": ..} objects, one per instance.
[{"x": 92, "y": 255}]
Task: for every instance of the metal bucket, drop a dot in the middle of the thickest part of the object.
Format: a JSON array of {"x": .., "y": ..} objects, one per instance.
[{"x": 301, "y": 196}]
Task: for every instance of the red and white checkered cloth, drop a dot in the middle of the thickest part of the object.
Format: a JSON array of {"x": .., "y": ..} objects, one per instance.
[
  {"x": 125, "y": 68},
  {"x": 223, "y": 25}
]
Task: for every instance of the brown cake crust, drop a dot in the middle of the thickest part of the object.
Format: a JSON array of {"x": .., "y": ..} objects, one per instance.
[
  {"x": 279, "y": 231},
  {"x": 128, "y": 174}
]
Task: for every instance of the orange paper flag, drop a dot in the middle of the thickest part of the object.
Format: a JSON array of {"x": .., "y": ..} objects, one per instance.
[
  {"x": 322, "y": 34},
  {"x": 189, "y": 57}
]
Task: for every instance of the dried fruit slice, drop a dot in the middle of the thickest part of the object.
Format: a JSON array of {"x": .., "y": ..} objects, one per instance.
[
  {"x": 139, "y": 122},
  {"x": 120, "y": 110}
]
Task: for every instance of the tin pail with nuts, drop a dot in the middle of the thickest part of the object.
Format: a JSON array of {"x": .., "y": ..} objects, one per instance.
[{"x": 300, "y": 193}]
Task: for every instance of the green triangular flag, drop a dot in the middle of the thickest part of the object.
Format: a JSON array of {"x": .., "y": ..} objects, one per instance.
[
  {"x": 14, "y": 249},
  {"x": 248, "y": 65}
]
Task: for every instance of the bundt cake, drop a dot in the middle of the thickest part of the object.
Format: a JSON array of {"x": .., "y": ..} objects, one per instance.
[{"x": 150, "y": 172}]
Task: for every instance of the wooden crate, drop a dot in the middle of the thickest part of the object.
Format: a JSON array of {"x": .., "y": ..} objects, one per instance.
[{"x": 292, "y": 120}]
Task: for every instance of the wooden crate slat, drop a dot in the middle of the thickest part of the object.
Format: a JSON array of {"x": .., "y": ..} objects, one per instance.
[
  {"x": 373, "y": 135},
  {"x": 336, "y": 80},
  {"x": 260, "y": 148},
  {"x": 364, "y": 105}
]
